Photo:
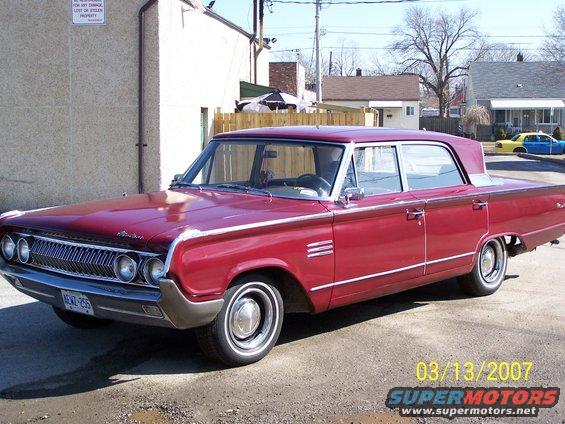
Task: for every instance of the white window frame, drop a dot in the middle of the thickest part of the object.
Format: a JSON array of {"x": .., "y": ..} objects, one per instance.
[{"x": 410, "y": 110}]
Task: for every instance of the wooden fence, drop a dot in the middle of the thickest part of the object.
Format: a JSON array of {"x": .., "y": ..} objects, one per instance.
[
  {"x": 224, "y": 122},
  {"x": 439, "y": 124}
]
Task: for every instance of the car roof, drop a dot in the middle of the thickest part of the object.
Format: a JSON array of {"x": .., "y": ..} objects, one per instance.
[
  {"x": 469, "y": 151},
  {"x": 340, "y": 134}
]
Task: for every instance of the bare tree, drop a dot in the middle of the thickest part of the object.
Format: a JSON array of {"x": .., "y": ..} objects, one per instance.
[
  {"x": 438, "y": 47},
  {"x": 378, "y": 66},
  {"x": 501, "y": 52},
  {"x": 346, "y": 59},
  {"x": 554, "y": 47}
]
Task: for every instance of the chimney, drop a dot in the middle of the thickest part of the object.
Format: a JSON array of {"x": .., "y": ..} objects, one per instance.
[
  {"x": 520, "y": 57},
  {"x": 359, "y": 72}
]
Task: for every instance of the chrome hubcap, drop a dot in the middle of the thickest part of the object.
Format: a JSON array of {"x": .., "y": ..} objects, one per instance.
[
  {"x": 488, "y": 260},
  {"x": 252, "y": 318},
  {"x": 246, "y": 317},
  {"x": 492, "y": 262}
]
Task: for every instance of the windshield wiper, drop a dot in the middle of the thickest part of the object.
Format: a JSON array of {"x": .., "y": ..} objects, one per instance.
[
  {"x": 245, "y": 188},
  {"x": 183, "y": 184}
]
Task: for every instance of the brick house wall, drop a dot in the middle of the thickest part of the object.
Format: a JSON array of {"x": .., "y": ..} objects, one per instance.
[{"x": 284, "y": 76}]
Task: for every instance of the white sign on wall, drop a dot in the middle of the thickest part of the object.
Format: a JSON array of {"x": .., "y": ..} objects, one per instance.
[{"x": 88, "y": 12}]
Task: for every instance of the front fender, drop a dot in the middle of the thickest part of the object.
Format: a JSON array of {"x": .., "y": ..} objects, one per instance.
[{"x": 260, "y": 263}]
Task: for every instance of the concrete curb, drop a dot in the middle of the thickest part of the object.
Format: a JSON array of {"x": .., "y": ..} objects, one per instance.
[{"x": 542, "y": 158}]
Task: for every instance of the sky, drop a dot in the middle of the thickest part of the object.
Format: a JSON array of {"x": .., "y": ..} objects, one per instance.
[{"x": 520, "y": 22}]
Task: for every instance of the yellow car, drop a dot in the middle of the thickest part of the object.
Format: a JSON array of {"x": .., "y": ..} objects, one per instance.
[{"x": 530, "y": 142}]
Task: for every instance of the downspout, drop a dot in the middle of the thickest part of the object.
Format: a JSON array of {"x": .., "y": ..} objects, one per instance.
[
  {"x": 140, "y": 94},
  {"x": 253, "y": 46}
]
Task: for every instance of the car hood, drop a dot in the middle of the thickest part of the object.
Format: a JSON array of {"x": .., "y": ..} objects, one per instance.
[{"x": 138, "y": 219}]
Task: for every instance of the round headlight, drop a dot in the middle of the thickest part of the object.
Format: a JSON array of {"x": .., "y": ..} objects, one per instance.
[
  {"x": 154, "y": 270},
  {"x": 8, "y": 247},
  {"x": 23, "y": 250},
  {"x": 125, "y": 268}
]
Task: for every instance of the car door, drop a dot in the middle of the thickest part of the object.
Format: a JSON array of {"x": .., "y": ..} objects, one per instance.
[
  {"x": 456, "y": 213},
  {"x": 532, "y": 143},
  {"x": 379, "y": 240},
  {"x": 545, "y": 145}
]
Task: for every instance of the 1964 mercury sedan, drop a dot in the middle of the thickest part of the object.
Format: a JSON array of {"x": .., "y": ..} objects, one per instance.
[{"x": 281, "y": 220}]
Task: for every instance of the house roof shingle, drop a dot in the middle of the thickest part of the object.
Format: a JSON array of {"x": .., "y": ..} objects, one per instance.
[
  {"x": 499, "y": 80},
  {"x": 383, "y": 87}
]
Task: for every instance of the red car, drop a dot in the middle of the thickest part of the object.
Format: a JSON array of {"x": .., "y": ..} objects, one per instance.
[{"x": 281, "y": 220}]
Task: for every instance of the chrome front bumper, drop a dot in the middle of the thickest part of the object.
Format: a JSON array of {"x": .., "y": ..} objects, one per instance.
[{"x": 114, "y": 301}]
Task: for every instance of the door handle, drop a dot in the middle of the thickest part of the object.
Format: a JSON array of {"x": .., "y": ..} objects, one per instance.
[
  {"x": 479, "y": 204},
  {"x": 414, "y": 213}
]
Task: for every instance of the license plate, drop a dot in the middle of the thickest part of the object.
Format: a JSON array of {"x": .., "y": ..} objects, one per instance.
[{"x": 77, "y": 302}]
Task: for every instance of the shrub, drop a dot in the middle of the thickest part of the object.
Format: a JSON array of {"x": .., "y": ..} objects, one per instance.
[
  {"x": 499, "y": 134},
  {"x": 558, "y": 133}
]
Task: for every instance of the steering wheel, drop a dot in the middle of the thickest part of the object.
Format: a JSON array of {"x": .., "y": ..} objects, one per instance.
[{"x": 314, "y": 182}]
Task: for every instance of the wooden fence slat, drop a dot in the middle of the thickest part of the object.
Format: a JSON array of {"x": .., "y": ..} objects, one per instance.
[{"x": 224, "y": 122}]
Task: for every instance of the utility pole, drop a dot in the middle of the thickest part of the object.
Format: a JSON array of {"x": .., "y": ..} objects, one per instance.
[
  {"x": 331, "y": 64},
  {"x": 318, "y": 55}
]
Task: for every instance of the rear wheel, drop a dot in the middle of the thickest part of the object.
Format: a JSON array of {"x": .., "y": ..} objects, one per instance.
[
  {"x": 79, "y": 320},
  {"x": 489, "y": 271},
  {"x": 520, "y": 150},
  {"x": 248, "y": 324}
]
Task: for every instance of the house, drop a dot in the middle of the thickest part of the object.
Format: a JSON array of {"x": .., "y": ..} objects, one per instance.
[
  {"x": 395, "y": 97},
  {"x": 429, "y": 105},
  {"x": 93, "y": 115},
  {"x": 290, "y": 77},
  {"x": 521, "y": 96}
]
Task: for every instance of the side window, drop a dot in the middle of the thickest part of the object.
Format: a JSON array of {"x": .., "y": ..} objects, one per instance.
[
  {"x": 377, "y": 170},
  {"x": 544, "y": 138},
  {"x": 409, "y": 110},
  {"x": 429, "y": 167}
]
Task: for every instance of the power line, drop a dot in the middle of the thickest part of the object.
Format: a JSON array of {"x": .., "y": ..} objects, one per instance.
[{"x": 390, "y": 48}]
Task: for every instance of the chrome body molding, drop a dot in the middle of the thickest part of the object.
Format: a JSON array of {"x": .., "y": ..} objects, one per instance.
[
  {"x": 11, "y": 214},
  {"x": 392, "y": 271},
  {"x": 116, "y": 301},
  {"x": 320, "y": 248},
  {"x": 192, "y": 234},
  {"x": 541, "y": 230}
]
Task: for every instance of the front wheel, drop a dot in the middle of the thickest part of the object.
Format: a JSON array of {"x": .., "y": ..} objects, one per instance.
[
  {"x": 81, "y": 321},
  {"x": 248, "y": 325},
  {"x": 489, "y": 270}
]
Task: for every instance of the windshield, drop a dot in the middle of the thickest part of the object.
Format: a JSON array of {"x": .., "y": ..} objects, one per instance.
[{"x": 284, "y": 169}]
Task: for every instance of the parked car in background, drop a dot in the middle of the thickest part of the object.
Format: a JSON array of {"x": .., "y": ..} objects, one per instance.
[
  {"x": 280, "y": 220},
  {"x": 531, "y": 142}
]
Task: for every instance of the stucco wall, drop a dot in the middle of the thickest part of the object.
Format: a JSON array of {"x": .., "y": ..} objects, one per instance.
[
  {"x": 68, "y": 97},
  {"x": 68, "y": 102},
  {"x": 399, "y": 119}
]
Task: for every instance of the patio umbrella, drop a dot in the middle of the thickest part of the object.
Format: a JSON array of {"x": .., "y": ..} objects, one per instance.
[{"x": 272, "y": 101}]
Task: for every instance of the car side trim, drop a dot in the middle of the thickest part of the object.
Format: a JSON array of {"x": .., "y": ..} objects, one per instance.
[
  {"x": 392, "y": 271},
  {"x": 192, "y": 234}
]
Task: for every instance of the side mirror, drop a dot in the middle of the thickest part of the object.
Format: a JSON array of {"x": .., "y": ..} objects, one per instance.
[
  {"x": 177, "y": 178},
  {"x": 352, "y": 194}
]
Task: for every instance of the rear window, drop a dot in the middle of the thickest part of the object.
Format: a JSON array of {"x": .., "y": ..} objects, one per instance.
[{"x": 429, "y": 167}]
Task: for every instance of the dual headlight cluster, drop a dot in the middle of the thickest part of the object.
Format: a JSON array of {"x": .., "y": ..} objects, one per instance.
[
  {"x": 126, "y": 269},
  {"x": 12, "y": 249},
  {"x": 126, "y": 266}
]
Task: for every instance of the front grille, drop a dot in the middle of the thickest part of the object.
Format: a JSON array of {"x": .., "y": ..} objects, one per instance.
[{"x": 80, "y": 260}]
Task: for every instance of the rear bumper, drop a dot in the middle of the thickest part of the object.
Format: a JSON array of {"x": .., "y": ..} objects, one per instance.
[{"x": 115, "y": 301}]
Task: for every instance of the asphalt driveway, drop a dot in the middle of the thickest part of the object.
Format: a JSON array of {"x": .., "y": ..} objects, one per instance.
[{"x": 333, "y": 367}]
